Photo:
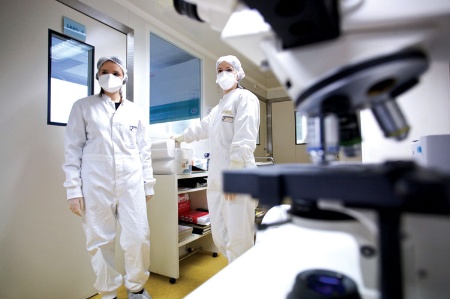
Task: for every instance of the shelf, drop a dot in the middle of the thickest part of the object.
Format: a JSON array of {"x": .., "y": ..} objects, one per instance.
[
  {"x": 191, "y": 182},
  {"x": 193, "y": 175},
  {"x": 165, "y": 247},
  {"x": 190, "y": 253},
  {"x": 193, "y": 237},
  {"x": 187, "y": 190}
]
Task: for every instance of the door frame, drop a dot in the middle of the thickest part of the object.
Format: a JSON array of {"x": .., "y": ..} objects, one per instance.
[{"x": 114, "y": 24}]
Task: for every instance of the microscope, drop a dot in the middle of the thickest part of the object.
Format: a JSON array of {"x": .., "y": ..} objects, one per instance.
[{"x": 334, "y": 59}]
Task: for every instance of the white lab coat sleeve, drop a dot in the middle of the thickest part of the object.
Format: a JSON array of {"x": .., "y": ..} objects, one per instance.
[
  {"x": 144, "y": 145},
  {"x": 74, "y": 142},
  {"x": 199, "y": 130},
  {"x": 246, "y": 128}
]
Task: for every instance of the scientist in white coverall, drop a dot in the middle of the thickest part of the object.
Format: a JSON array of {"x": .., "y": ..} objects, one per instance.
[
  {"x": 109, "y": 178},
  {"x": 232, "y": 128}
]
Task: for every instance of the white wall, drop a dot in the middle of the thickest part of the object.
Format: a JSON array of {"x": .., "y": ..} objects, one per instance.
[
  {"x": 285, "y": 150},
  {"x": 42, "y": 251},
  {"x": 261, "y": 149}
]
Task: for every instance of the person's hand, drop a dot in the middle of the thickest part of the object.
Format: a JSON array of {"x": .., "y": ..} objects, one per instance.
[
  {"x": 233, "y": 165},
  {"x": 76, "y": 205},
  {"x": 178, "y": 139},
  {"x": 229, "y": 196},
  {"x": 148, "y": 197}
]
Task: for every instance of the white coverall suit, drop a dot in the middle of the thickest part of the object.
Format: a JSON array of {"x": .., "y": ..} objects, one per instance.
[
  {"x": 232, "y": 128},
  {"x": 108, "y": 162}
]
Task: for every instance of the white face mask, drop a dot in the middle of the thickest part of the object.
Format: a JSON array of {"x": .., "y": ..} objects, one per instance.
[
  {"x": 226, "y": 80},
  {"x": 110, "y": 83}
]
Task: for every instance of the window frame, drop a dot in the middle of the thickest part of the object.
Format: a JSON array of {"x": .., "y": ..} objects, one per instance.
[
  {"x": 52, "y": 101},
  {"x": 177, "y": 107},
  {"x": 298, "y": 117}
]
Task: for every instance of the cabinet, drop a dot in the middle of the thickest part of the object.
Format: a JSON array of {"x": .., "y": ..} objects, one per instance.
[{"x": 165, "y": 250}]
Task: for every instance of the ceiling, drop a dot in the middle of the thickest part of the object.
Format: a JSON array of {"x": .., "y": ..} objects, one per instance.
[{"x": 204, "y": 37}]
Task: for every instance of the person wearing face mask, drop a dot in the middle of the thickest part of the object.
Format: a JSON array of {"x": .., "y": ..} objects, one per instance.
[
  {"x": 232, "y": 129},
  {"x": 109, "y": 179}
]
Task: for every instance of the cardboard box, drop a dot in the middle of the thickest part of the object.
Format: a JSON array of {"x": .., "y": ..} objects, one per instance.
[
  {"x": 197, "y": 217},
  {"x": 184, "y": 204}
]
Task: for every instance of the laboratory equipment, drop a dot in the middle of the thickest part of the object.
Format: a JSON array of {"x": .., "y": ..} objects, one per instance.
[{"x": 335, "y": 58}]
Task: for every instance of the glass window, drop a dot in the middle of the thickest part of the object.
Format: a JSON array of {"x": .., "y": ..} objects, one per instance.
[
  {"x": 70, "y": 75},
  {"x": 301, "y": 128},
  {"x": 175, "y": 88}
]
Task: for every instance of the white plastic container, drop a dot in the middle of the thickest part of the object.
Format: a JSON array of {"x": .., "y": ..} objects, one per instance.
[
  {"x": 433, "y": 151},
  {"x": 183, "y": 158}
]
